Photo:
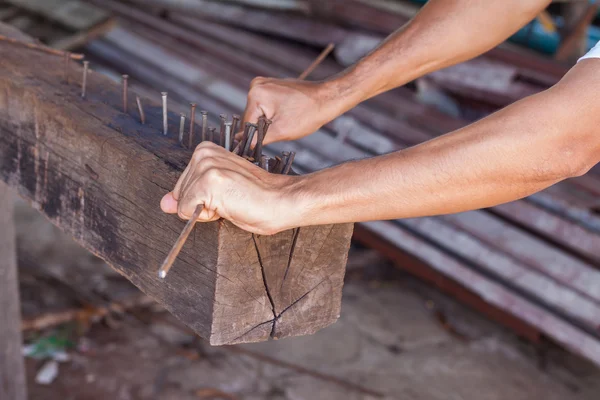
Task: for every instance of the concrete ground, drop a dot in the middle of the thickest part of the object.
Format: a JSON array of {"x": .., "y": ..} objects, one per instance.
[{"x": 390, "y": 343}]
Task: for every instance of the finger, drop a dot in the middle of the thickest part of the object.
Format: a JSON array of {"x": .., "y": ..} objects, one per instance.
[
  {"x": 168, "y": 204},
  {"x": 177, "y": 190}
]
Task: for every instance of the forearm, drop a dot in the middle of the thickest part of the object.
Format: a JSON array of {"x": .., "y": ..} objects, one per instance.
[
  {"x": 444, "y": 33},
  {"x": 511, "y": 154}
]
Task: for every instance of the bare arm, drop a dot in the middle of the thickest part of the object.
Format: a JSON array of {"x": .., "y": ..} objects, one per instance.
[
  {"x": 444, "y": 33},
  {"x": 517, "y": 151}
]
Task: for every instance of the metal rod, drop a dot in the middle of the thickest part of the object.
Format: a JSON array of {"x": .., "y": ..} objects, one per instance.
[
  {"x": 125, "y": 89},
  {"x": 38, "y": 47},
  {"x": 234, "y": 124},
  {"x": 242, "y": 144},
  {"x": 317, "y": 61},
  {"x": 260, "y": 138},
  {"x": 86, "y": 66},
  {"x": 264, "y": 163},
  {"x": 181, "y": 128},
  {"x": 211, "y": 134},
  {"x": 204, "y": 124},
  {"x": 168, "y": 263},
  {"x": 140, "y": 109},
  {"x": 251, "y": 131},
  {"x": 288, "y": 163},
  {"x": 165, "y": 115},
  {"x": 223, "y": 118},
  {"x": 228, "y": 136},
  {"x": 192, "y": 124},
  {"x": 66, "y": 59}
]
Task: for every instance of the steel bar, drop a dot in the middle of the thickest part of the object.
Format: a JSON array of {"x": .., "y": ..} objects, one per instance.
[
  {"x": 165, "y": 113},
  {"x": 250, "y": 138},
  {"x": 125, "y": 90},
  {"x": 172, "y": 256},
  {"x": 140, "y": 110},
  {"x": 317, "y": 61},
  {"x": 86, "y": 66},
  {"x": 44, "y": 49},
  {"x": 181, "y": 128},
  {"x": 204, "y": 124},
  {"x": 192, "y": 125},
  {"x": 228, "y": 136}
]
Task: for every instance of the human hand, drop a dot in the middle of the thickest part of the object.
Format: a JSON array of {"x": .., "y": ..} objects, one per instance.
[
  {"x": 232, "y": 188},
  {"x": 296, "y": 108}
]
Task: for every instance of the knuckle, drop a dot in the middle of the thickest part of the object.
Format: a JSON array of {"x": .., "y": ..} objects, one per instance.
[
  {"x": 214, "y": 175},
  {"x": 257, "y": 81}
]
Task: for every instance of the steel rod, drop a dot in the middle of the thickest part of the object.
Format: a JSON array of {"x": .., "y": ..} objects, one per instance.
[{"x": 172, "y": 256}]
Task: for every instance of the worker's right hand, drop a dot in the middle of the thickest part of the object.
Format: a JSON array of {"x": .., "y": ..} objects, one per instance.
[{"x": 297, "y": 108}]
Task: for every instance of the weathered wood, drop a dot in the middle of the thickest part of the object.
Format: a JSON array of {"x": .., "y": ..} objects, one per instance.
[
  {"x": 99, "y": 174},
  {"x": 12, "y": 371}
]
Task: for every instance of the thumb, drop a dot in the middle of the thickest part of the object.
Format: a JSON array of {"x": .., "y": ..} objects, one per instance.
[{"x": 168, "y": 204}]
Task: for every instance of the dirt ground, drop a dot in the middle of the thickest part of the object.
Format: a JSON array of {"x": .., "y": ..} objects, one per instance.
[{"x": 396, "y": 339}]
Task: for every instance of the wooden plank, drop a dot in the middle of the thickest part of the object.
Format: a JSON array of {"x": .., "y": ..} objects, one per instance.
[
  {"x": 99, "y": 174},
  {"x": 12, "y": 369}
]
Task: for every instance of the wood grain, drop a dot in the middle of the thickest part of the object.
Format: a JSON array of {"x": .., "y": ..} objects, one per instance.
[{"x": 12, "y": 371}]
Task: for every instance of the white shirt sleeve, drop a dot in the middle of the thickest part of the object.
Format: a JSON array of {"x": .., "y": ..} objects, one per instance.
[{"x": 593, "y": 53}]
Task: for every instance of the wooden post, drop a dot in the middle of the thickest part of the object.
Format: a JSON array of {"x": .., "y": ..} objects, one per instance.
[
  {"x": 12, "y": 371},
  {"x": 99, "y": 174}
]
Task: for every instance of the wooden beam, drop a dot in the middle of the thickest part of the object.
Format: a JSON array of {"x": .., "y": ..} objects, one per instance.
[
  {"x": 12, "y": 371},
  {"x": 99, "y": 174}
]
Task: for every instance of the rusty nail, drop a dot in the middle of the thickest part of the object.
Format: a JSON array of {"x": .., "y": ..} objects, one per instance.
[
  {"x": 228, "y": 136},
  {"x": 211, "y": 134},
  {"x": 165, "y": 115},
  {"x": 223, "y": 118},
  {"x": 288, "y": 162},
  {"x": 125, "y": 88},
  {"x": 86, "y": 66},
  {"x": 251, "y": 131},
  {"x": 181, "y": 128},
  {"x": 204, "y": 124},
  {"x": 264, "y": 163},
  {"x": 140, "y": 109},
  {"x": 66, "y": 67},
  {"x": 192, "y": 124},
  {"x": 234, "y": 123}
]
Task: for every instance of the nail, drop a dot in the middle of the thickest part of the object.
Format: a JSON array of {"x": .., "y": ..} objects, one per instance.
[
  {"x": 228, "y": 134},
  {"x": 288, "y": 162},
  {"x": 242, "y": 144},
  {"x": 251, "y": 131},
  {"x": 211, "y": 134},
  {"x": 66, "y": 66},
  {"x": 264, "y": 163},
  {"x": 204, "y": 124},
  {"x": 86, "y": 66},
  {"x": 181, "y": 128},
  {"x": 260, "y": 137},
  {"x": 234, "y": 123},
  {"x": 223, "y": 118},
  {"x": 277, "y": 166},
  {"x": 192, "y": 123},
  {"x": 185, "y": 233},
  {"x": 140, "y": 109},
  {"x": 125, "y": 80},
  {"x": 165, "y": 116}
]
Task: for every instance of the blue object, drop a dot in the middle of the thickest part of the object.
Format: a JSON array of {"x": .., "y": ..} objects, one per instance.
[{"x": 534, "y": 36}]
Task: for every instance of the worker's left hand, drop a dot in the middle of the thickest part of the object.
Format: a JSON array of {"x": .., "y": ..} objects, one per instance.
[{"x": 232, "y": 188}]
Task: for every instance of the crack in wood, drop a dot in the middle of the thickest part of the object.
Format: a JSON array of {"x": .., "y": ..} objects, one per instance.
[
  {"x": 291, "y": 256},
  {"x": 264, "y": 278}
]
